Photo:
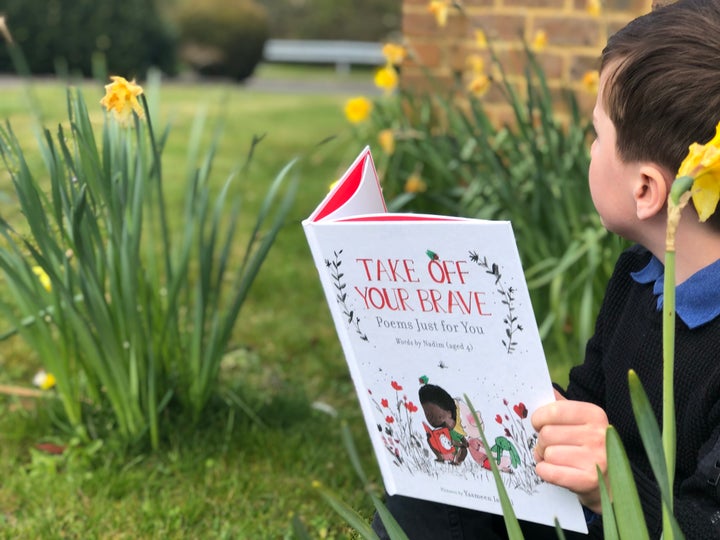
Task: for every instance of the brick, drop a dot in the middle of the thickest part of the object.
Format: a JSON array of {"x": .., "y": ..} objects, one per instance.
[
  {"x": 415, "y": 24},
  {"x": 424, "y": 24},
  {"x": 556, "y": 4},
  {"x": 575, "y": 40},
  {"x": 418, "y": 82},
  {"x": 514, "y": 61},
  {"x": 570, "y": 31},
  {"x": 469, "y": 6},
  {"x": 426, "y": 53},
  {"x": 636, "y": 7},
  {"x": 500, "y": 27},
  {"x": 579, "y": 65}
]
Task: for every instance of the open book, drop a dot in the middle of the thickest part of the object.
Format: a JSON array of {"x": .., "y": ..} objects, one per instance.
[{"x": 430, "y": 309}]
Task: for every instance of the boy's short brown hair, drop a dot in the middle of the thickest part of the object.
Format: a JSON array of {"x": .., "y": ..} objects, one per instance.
[{"x": 663, "y": 92}]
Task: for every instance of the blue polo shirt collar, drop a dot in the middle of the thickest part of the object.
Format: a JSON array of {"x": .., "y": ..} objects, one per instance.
[{"x": 697, "y": 299}]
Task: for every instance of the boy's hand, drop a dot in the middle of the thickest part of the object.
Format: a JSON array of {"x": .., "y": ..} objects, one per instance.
[{"x": 571, "y": 442}]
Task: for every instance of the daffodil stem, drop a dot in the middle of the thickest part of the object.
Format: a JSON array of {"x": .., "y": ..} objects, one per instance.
[
  {"x": 677, "y": 200},
  {"x": 668, "y": 431}
]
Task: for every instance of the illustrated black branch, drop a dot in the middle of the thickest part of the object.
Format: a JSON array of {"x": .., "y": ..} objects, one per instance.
[
  {"x": 508, "y": 294},
  {"x": 341, "y": 294}
]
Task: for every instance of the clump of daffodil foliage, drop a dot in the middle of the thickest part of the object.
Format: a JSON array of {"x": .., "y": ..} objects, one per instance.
[
  {"x": 129, "y": 311},
  {"x": 440, "y": 148}
]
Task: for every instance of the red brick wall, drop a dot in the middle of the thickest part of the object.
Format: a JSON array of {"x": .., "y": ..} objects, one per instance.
[{"x": 575, "y": 38}]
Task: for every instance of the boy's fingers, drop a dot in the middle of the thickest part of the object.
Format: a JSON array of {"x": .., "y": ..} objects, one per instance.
[
  {"x": 577, "y": 480},
  {"x": 567, "y": 412}
]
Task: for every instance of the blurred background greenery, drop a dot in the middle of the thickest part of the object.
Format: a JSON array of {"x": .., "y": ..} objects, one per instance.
[{"x": 213, "y": 37}]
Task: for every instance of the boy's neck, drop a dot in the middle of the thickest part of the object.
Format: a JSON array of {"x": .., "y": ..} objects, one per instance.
[{"x": 697, "y": 245}]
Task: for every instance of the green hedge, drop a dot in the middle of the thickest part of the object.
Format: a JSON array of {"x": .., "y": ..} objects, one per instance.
[
  {"x": 222, "y": 37},
  {"x": 359, "y": 20},
  {"x": 67, "y": 34}
]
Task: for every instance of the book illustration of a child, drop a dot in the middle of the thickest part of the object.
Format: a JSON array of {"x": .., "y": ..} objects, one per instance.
[
  {"x": 472, "y": 431},
  {"x": 503, "y": 451},
  {"x": 445, "y": 436}
]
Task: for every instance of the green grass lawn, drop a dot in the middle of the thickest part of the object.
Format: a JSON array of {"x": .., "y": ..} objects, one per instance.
[{"x": 232, "y": 478}]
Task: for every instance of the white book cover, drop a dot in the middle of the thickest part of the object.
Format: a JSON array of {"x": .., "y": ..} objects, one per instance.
[{"x": 430, "y": 309}]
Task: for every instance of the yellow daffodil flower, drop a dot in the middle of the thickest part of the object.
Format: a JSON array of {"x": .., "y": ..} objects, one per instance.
[
  {"x": 540, "y": 40},
  {"x": 333, "y": 184},
  {"x": 590, "y": 81},
  {"x": 386, "y": 78},
  {"x": 439, "y": 9},
  {"x": 43, "y": 277},
  {"x": 703, "y": 165},
  {"x": 43, "y": 380},
  {"x": 358, "y": 109},
  {"x": 415, "y": 184},
  {"x": 480, "y": 40},
  {"x": 394, "y": 53},
  {"x": 479, "y": 84},
  {"x": 476, "y": 63},
  {"x": 121, "y": 98},
  {"x": 594, "y": 7},
  {"x": 386, "y": 138}
]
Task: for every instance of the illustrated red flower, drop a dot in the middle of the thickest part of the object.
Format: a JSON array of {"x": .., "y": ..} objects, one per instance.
[
  {"x": 521, "y": 410},
  {"x": 389, "y": 419},
  {"x": 498, "y": 419},
  {"x": 396, "y": 386},
  {"x": 410, "y": 406},
  {"x": 384, "y": 402}
]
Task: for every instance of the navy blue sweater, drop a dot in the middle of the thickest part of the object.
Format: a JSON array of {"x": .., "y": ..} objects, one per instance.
[{"x": 628, "y": 335}]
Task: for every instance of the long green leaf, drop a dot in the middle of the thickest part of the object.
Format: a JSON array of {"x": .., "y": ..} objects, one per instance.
[
  {"x": 511, "y": 523},
  {"x": 626, "y": 503}
]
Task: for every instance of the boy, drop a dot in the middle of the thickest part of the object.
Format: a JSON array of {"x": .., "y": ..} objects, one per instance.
[{"x": 659, "y": 92}]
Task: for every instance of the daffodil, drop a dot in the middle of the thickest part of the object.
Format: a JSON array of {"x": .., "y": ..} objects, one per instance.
[
  {"x": 439, "y": 9},
  {"x": 44, "y": 380},
  {"x": 590, "y": 81},
  {"x": 42, "y": 277},
  {"x": 594, "y": 7},
  {"x": 702, "y": 164},
  {"x": 480, "y": 39},
  {"x": 386, "y": 78},
  {"x": 121, "y": 98},
  {"x": 394, "y": 53},
  {"x": 358, "y": 109},
  {"x": 333, "y": 184},
  {"x": 479, "y": 84},
  {"x": 415, "y": 184},
  {"x": 476, "y": 63},
  {"x": 540, "y": 40},
  {"x": 386, "y": 138}
]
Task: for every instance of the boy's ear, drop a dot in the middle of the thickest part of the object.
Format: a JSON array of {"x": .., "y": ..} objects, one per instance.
[{"x": 650, "y": 191}]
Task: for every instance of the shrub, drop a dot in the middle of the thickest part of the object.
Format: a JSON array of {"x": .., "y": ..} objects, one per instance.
[
  {"x": 63, "y": 35},
  {"x": 223, "y": 37},
  {"x": 362, "y": 20}
]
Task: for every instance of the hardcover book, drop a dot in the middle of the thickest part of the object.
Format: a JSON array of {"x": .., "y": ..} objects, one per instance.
[{"x": 430, "y": 310}]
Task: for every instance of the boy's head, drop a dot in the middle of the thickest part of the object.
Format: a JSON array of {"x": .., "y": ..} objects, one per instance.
[
  {"x": 662, "y": 82},
  {"x": 439, "y": 407}
]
